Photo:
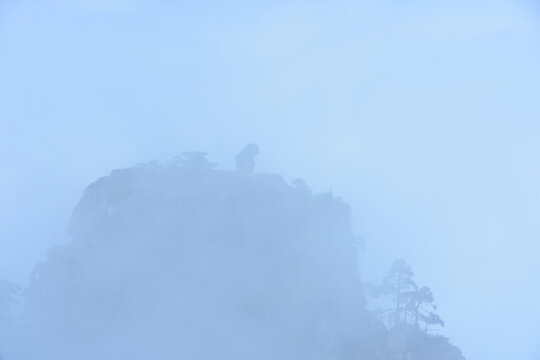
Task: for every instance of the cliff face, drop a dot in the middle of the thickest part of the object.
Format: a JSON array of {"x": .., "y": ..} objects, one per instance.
[
  {"x": 172, "y": 262},
  {"x": 186, "y": 262}
]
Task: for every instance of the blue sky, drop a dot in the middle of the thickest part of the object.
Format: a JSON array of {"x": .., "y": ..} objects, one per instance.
[{"x": 422, "y": 115}]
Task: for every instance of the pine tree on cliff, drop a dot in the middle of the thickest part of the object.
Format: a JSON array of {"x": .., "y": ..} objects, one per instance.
[
  {"x": 413, "y": 304},
  {"x": 399, "y": 286}
]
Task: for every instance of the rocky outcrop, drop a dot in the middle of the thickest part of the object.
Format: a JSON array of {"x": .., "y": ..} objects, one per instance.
[{"x": 171, "y": 262}]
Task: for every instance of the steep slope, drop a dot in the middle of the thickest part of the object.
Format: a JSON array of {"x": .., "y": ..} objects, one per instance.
[
  {"x": 172, "y": 262},
  {"x": 186, "y": 262}
]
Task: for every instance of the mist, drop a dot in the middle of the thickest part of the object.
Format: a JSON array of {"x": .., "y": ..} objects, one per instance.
[{"x": 421, "y": 117}]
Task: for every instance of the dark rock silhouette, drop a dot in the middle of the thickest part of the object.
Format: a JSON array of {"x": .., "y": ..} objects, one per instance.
[
  {"x": 171, "y": 262},
  {"x": 182, "y": 261},
  {"x": 245, "y": 160}
]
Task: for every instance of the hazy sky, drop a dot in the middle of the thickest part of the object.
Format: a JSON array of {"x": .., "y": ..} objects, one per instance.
[{"x": 423, "y": 115}]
